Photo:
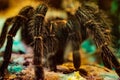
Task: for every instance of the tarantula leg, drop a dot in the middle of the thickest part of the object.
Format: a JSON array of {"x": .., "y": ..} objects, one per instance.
[
  {"x": 8, "y": 49},
  {"x": 52, "y": 62},
  {"x": 110, "y": 59},
  {"x": 20, "y": 20},
  {"x": 52, "y": 46},
  {"x": 57, "y": 45},
  {"x": 107, "y": 55},
  {"x": 75, "y": 38},
  {"x": 38, "y": 40},
  {"x": 98, "y": 28},
  {"x": 7, "y": 23},
  {"x": 7, "y": 55},
  {"x": 76, "y": 55}
]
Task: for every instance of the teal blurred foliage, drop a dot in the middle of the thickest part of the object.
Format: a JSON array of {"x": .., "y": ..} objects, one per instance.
[
  {"x": 15, "y": 68},
  {"x": 17, "y": 47},
  {"x": 88, "y": 46}
]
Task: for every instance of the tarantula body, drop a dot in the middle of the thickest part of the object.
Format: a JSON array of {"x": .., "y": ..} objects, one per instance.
[
  {"x": 56, "y": 42},
  {"x": 51, "y": 38},
  {"x": 59, "y": 34}
]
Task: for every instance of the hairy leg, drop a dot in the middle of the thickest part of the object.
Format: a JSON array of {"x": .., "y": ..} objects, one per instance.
[
  {"x": 20, "y": 20},
  {"x": 38, "y": 40},
  {"x": 7, "y": 23}
]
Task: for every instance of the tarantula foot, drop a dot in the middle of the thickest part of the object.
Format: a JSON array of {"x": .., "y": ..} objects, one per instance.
[
  {"x": 118, "y": 71},
  {"x": 68, "y": 71},
  {"x": 83, "y": 72},
  {"x": 53, "y": 68}
]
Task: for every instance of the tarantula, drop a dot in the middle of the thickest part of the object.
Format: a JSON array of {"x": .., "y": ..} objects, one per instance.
[{"x": 50, "y": 38}]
